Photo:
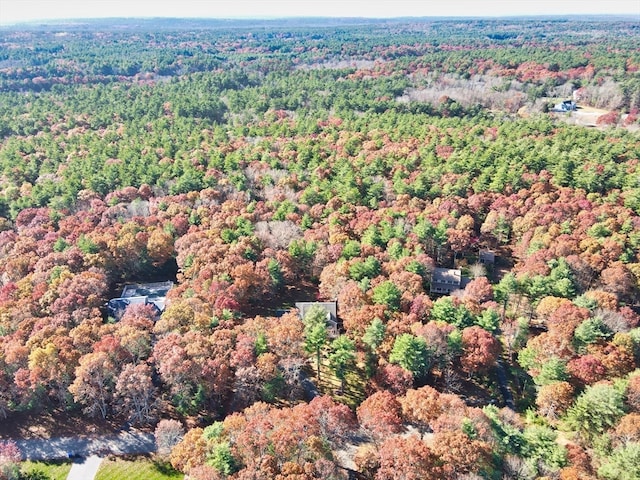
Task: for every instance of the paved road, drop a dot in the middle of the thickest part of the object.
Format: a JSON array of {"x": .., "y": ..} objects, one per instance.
[
  {"x": 132, "y": 442},
  {"x": 85, "y": 470}
]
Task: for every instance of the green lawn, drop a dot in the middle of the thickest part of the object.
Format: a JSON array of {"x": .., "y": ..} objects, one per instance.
[
  {"x": 139, "y": 469},
  {"x": 57, "y": 470},
  {"x": 354, "y": 392}
]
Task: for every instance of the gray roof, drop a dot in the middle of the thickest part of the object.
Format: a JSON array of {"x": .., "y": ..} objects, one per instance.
[
  {"x": 330, "y": 307},
  {"x": 332, "y": 313},
  {"x": 153, "y": 289},
  {"x": 487, "y": 256},
  {"x": 445, "y": 280},
  {"x": 154, "y": 293},
  {"x": 446, "y": 275}
]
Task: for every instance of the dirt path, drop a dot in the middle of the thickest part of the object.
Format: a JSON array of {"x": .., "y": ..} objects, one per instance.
[
  {"x": 503, "y": 384},
  {"x": 124, "y": 443}
]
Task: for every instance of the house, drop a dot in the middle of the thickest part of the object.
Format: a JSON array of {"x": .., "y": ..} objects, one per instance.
[
  {"x": 487, "y": 257},
  {"x": 566, "y": 106},
  {"x": 140, "y": 294},
  {"x": 445, "y": 280},
  {"x": 332, "y": 313}
]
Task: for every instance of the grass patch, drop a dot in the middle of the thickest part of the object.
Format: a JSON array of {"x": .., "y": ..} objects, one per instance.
[
  {"x": 137, "y": 469},
  {"x": 354, "y": 391},
  {"x": 53, "y": 470}
]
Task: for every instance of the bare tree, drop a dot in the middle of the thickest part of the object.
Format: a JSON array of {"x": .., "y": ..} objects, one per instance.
[
  {"x": 515, "y": 468},
  {"x": 451, "y": 382},
  {"x": 291, "y": 369},
  {"x": 136, "y": 394},
  {"x": 277, "y": 234},
  {"x": 614, "y": 320},
  {"x": 478, "y": 270},
  {"x": 167, "y": 434}
]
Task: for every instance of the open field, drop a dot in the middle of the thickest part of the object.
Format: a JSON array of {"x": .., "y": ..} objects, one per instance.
[
  {"x": 138, "y": 469},
  {"x": 54, "y": 470}
]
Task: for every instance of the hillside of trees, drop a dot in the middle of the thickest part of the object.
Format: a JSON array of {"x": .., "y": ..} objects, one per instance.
[{"x": 260, "y": 164}]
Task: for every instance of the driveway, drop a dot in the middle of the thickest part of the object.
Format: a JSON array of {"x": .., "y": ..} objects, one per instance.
[
  {"x": 86, "y": 470},
  {"x": 124, "y": 443}
]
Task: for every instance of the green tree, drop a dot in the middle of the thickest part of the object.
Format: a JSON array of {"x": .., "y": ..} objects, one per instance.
[
  {"x": 504, "y": 289},
  {"x": 275, "y": 272},
  {"x": 489, "y": 320},
  {"x": 592, "y": 330},
  {"x": 445, "y": 310},
  {"x": 541, "y": 447},
  {"x": 562, "y": 280},
  {"x": 315, "y": 333},
  {"x": 412, "y": 354},
  {"x": 623, "y": 463},
  {"x": 552, "y": 370},
  {"x": 374, "y": 334},
  {"x": 221, "y": 458},
  {"x": 60, "y": 245},
  {"x": 510, "y": 438},
  {"x": 351, "y": 249},
  {"x": 598, "y": 408},
  {"x": 342, "y": 357},
  {"x": 387, "y": 294},
  {"x": 368, "y": 268}
]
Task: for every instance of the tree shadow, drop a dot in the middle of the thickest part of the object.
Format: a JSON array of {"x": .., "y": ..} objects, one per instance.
[{"x": 163, "y": 466}]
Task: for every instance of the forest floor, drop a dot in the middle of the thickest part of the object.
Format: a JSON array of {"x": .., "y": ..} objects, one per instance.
[{"x": 304, "y": 291}]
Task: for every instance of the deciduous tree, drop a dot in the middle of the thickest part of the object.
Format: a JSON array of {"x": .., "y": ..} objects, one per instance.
[
  {"x": 480, "y": 350},
  {"x": 10, "y": 458},
  {"x": 421, "y": 406},
  {"x": 190, "y": 451},
  {"x": 93, "y": 385},
  {"x": 554, "y": 399},
  {"x": 167, "y": 434},
  {"x": 393, "y": 378},
  {"x": 136, "y": 396},
  {"x": 459, "y": 453},
  {"x": 407, "y": 459},
  {"x": 380, "y": 414}
]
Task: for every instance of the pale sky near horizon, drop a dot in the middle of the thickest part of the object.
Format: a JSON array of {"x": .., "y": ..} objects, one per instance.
[{"x": 13, "y": 11}]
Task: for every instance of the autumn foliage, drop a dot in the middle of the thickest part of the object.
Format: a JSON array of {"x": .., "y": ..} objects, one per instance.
[{"x": 259, "y": 167}]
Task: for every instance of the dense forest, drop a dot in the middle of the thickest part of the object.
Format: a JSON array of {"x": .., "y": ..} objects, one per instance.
[{"x": 260, "y": 164}]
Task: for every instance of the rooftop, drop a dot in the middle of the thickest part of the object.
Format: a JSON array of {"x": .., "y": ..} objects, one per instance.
[
  {"x": 447, "y": 275},
  {"x": 154, "y": 293}
]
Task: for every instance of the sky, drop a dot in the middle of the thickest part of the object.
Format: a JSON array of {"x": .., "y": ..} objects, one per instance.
[{"x": 14, "y": 11}]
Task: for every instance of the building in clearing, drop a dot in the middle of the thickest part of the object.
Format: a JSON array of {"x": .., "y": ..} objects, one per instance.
[
  {"x": 332, "y": 313},
  {"x": 140, "y": 294},
  {"x": 566, "y": 106},
  {"x": 487, "y": 257},
  {"x": 445, "y": 280}
]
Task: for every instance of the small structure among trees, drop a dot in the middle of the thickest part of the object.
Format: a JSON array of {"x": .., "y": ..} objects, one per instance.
[
  {"x": 331, "y": 308},
  {"x": 487, "y": 257},
  {"x": 140, "y": 294},
  {"x": 566, "y": 106},
  {"x": 446, "y": 280}
]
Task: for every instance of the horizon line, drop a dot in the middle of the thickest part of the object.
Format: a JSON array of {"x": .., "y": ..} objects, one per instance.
[{"x": 54, "y": 20}]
